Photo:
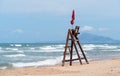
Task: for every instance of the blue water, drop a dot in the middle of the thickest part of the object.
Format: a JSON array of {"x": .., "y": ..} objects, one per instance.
[{"x": 17, "y": 55}]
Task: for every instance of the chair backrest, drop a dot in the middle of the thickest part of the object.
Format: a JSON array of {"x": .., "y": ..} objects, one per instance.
[
  {"x": 76, "y": 32},
  {"x": 77, "y": 29}
]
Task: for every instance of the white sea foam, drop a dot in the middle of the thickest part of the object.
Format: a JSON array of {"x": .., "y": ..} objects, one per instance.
[
  {"x": 58, "y": 50},
  {"x": 106, "y": 46},
  {"x": 11, "y": 49},
  {"x": 8, "y": 48},
  {"x": 109, "y": 47},
  {"x": 32, "y": 48},
  {"x": 18, "y": 45},
  {"x": 111, "y": 50},
  {"x": 47, "y": 48},
  {"x": 39, "y": 63},
  {"x": 102, "y": 46},
  {"x": 16, "y": 55},
  {"x": 11, "y": 45},
  {"x": 4, "y": 67},
  {"x": 117, "y": 50},
  {"x": 20, "y": 51},
  {"x": 0, "y": 48},
  {"x": 52, "y": 48},
  {"x": 59, "y": 46},
  {"x": 88, "y": 47},
  {"x": 15, "y": 49},
  {"x": 2, "y": 51}
]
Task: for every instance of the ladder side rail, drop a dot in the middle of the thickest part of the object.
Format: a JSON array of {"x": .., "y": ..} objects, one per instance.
[
  {"x": 72, "y": 36},
  {"x": 64, "y": 57},
  {"x": 82, "y": 51},
  {"x": 71, "y": 53}
]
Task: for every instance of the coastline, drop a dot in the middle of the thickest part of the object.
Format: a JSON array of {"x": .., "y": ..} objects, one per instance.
[{"x": 94, "y": 68}]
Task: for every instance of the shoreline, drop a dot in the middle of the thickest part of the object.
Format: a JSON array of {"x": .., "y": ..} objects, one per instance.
[
  {"x": 60, "y": 64},
  {"x": 94, "y": 68}
]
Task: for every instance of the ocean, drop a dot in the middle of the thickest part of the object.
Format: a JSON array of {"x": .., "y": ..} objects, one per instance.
[{"x": 19, "y": 55}]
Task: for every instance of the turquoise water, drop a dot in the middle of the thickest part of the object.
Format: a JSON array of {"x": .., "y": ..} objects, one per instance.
[{"x": 17, "y": 55}]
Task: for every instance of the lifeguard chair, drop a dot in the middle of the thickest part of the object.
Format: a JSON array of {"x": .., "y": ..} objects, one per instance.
[{"x": 73, "y": 45}]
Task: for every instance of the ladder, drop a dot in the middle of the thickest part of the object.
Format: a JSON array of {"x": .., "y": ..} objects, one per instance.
[{"x": 72, "y": 42}]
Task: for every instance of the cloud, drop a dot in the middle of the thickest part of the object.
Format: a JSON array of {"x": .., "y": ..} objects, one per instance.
[
  {"x": 87, "y": 28},
  {"x": 103, "y": 29},
  {"x": 18, "y": 31},
  {"x": 94, "y": 29}
]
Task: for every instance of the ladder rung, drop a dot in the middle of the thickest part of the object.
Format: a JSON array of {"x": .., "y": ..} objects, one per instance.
[
  {"x": 67, "y": 53},
  {"x": 82, "y": 58},
  {"x": 72, "y": 60},
  {"x": 76, "y": 40},
  {"x": 69, "y": 39}
]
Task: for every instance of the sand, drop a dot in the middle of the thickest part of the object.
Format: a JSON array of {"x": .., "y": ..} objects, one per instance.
[{"x": 95, "y": 68}]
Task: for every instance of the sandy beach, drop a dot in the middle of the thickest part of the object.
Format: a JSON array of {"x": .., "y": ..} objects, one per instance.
[{"x": 95, "y": 68}]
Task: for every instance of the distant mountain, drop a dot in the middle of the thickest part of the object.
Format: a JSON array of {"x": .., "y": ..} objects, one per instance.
[{"x": 91, "y": 38}]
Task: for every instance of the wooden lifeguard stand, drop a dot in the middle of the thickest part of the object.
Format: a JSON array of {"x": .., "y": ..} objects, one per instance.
[{"x": 72, "y": 42}]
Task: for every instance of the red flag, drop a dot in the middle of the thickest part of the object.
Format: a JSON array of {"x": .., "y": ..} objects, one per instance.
[{"x": 73, "y": 17}]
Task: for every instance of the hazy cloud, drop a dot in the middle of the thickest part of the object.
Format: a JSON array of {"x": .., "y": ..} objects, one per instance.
[
  {"x": 103, "y": 29},
  {"x": 19, "y": 31},
  {"x": 87, "y": 28},
  {"x": 94, "y": 29}
]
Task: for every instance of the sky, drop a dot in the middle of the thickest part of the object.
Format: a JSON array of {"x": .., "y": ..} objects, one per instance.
[{"x": 49, "y": 20}]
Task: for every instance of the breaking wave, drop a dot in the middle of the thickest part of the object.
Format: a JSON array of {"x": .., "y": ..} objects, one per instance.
[
  {"x": 16, "y": 55},
  {"x": 47, "y": 62}
]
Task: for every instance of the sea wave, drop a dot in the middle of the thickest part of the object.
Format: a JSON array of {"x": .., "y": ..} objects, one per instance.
[
  {"x": 11, "y": 44},
  {"x": 0, "y": 48},
  {"x": 57, "y": 50},
  {"x": 52, "y": 47},
  {"x": 15, "y": 55},
  {"x": 47, "y": 62},
  {"x": 15, "y": 49},
  {"x": 101, "y": 46},
  {"x": 18, "y": 45},
  {"x": 59, "y": 46},
  {"x": 112, "y": 50},
  {"x": 47, "y": 48},
  {"x": 3, "y": 67},
  {"x": 19, "y": 51},
  {"x": 32, "y": 48}
]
